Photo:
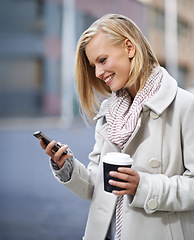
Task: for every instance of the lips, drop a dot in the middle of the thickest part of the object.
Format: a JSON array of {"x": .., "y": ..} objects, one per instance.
[{"x": 109, "y": 79}]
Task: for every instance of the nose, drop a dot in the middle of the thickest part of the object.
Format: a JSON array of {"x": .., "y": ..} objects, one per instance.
[{"x": 99, "y": 72}]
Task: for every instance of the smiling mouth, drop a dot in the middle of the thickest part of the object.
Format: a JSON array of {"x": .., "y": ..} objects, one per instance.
[{"x": 109, "y": 78}]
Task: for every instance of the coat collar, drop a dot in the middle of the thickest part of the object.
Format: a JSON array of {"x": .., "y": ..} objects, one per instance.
[
  {"x": 102, "y": 111},
  {"x": 165, "y": 95}
]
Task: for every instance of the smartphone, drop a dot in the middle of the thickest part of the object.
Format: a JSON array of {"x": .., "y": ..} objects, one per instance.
[{"x": 47, "y": 140}]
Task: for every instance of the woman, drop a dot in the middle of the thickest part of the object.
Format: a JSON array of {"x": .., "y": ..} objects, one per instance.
[{"x": 146, "y": 116}]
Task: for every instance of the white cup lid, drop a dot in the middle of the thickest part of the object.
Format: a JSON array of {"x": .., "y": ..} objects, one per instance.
[{"x": 117, "y": 158}]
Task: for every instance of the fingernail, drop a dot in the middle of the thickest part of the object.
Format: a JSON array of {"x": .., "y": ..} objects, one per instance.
[
  {"x": 64, "y": 147},
  {"x": 110, "y": 182},
  {"x": 111, "y": 174}
]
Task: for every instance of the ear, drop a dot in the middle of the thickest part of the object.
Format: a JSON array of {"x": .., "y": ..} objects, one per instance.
[{"x": 130, "y": 48}]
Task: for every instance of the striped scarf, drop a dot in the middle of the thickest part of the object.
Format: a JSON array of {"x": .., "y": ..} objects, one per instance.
[{"x": 122, "y": 114}]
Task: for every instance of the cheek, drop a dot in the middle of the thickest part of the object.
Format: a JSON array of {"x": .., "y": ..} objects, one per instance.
[
  {"x": 127, "y": 66},
  {"x": 124, "y": 63},
  {"x": 110, "y": 65},
  {"x": 125, "y": 69},
  {"x": 121, "y": 66}
]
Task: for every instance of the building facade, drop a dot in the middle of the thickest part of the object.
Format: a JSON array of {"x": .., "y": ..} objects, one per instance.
[
  {"x": 185, "y": 37},
  {"x": 32, "y": 36}
]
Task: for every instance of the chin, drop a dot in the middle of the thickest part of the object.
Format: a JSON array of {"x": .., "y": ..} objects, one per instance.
[{"x": 114, "y": 89}]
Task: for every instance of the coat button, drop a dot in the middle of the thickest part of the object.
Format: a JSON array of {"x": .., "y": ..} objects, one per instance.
[
  {"x": 154, "y": 115},
  {"x": 152, "y": 204},
  {"x": 154, "y": 163}
]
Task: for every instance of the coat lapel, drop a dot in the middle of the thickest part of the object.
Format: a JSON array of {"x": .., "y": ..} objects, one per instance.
[{"x": 103, "y": 131}]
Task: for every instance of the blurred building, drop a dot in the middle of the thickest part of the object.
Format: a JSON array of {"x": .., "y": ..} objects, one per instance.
[
  {"x": 30, "y": 52},
  {"x": 185, "y": 36},
  {"x": 31, "y": 48},
  {"x": 29, "y": 57}
]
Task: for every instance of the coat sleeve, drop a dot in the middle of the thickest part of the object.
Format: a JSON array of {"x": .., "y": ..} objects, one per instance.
[
  {"x": 158, "y": 192},
  {"x": 82, "y": 179}
]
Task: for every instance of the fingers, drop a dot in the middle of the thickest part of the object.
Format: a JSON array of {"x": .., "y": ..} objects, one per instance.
[
  {"x": 42, "y": 144},
  {"x": 58, "y": 157},
  {"x": 123, "y": 173},
  {"x": 131, "y": 178}
]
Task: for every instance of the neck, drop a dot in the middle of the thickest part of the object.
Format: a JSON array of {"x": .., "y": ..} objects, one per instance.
[{"x": 132, "y": 90}]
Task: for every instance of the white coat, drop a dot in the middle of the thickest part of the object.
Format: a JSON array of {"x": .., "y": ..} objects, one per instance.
[{"x": 162, "y": 148}]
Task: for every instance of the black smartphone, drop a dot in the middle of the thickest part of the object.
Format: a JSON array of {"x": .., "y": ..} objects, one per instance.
[{"x": 47, "y": 140}]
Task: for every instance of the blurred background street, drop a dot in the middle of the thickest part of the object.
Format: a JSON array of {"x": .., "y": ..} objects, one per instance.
[
  {"x": 37, "y": 49},
  {"x": 33, "y": 204}
]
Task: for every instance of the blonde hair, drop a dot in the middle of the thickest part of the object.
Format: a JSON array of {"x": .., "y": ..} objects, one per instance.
[{"x": 118, "y": 28}]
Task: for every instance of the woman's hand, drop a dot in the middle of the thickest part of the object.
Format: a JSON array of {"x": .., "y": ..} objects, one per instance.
[
  {"x": 58, "y": 157},
  {"x": 129, "y": 175}
]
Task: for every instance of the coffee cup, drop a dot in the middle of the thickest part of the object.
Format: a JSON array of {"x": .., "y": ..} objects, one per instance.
[{"x": 111, "y": 162}]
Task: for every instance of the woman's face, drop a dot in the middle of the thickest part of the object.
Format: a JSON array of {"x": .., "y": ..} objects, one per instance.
[{"x": 112, "y": 63}]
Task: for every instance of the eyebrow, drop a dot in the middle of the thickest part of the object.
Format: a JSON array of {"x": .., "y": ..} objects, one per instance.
[
  {"x": 97, "y": 59},
  {"x": 100, "y": 56}
]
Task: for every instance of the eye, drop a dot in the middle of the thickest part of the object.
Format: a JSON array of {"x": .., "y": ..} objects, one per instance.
[{"x": 102, "y": 60}]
